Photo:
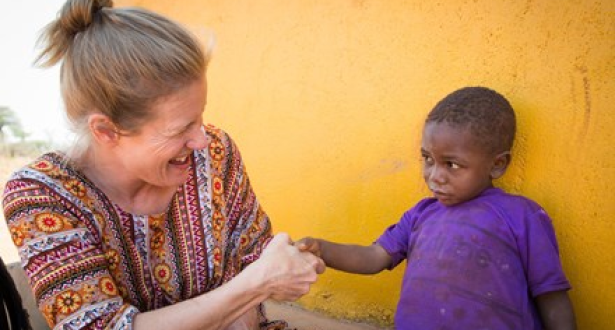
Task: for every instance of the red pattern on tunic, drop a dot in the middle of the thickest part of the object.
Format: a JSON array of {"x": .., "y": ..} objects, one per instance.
[{"x": 93, "y": 265}]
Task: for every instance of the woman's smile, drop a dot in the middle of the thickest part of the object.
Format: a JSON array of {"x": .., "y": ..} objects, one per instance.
[{"x": 183, "y": 160}]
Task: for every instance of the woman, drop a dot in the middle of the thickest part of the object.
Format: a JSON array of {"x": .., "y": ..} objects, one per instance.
[{"x": 150, "y": 221}]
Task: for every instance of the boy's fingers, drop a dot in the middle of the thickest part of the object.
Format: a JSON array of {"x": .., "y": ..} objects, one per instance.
[{"x": 320, "y": 267}]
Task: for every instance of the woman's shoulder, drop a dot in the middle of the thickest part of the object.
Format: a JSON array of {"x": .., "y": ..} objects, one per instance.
[
  {"x": 215, "y": 133},
  {"x": 220, "y": 146},
  {"x": 52, "y": 163},
  {"x": 49, "y": 174},
  {"x": 34, "y": 184}
]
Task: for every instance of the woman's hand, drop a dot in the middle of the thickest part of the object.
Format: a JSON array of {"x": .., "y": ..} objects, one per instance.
[
  {"x": 288, "y": 273},
  {"x": 281, "y": 273}
]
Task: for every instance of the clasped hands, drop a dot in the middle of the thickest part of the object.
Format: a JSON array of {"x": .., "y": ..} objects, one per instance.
[{"x": 290, "y": 270}]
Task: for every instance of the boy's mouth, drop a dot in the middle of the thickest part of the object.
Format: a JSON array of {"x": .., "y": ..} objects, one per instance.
[
  {"x": 438, "y": 193},
  {"x": 435, "y": 190}
]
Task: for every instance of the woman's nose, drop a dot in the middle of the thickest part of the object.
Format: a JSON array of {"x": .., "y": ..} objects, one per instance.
[{"x": 198, "y": 139}]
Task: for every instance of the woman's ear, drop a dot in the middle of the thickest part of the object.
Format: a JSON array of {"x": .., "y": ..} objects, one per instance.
[
  {"x": 103, "y": 129},
  {"x": 500, "y": 164}
]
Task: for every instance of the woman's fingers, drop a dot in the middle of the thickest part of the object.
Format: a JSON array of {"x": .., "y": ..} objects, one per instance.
[
  {"x": 315, "y": 262},
  {"x": 291, "y": 272},
  {"x": 280, "y": 239}
]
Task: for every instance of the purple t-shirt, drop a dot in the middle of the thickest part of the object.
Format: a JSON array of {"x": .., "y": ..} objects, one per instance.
[{"x": 476, "y": 265}]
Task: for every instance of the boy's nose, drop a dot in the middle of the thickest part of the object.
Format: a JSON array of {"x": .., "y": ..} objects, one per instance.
[{"x": 436, "y": 175}]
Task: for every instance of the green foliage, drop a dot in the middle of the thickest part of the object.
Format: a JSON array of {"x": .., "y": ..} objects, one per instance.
[{"x": 10, "y": 122}]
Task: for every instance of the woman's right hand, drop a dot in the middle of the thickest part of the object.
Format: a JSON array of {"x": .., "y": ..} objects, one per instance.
[{"x": 288, "y": 273}]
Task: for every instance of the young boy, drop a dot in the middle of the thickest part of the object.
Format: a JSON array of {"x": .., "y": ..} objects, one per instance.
[{"x": 478, "y": 258}]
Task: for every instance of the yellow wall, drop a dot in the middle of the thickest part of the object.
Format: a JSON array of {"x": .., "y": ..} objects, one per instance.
[{"x": 326, "y": 100}]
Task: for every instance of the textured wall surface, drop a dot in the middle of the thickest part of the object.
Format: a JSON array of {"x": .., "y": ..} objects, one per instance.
[{"x": 326, "y": 101}]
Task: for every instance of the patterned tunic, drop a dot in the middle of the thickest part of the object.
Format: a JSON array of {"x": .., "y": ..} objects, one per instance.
[{"x": 93, "y": 265}]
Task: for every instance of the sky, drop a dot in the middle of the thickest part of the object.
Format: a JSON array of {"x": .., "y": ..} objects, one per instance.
[{"x": 32, "y": 93}]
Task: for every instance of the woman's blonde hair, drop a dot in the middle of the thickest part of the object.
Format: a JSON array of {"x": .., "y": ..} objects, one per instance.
[{"x": 117, "y": 62}]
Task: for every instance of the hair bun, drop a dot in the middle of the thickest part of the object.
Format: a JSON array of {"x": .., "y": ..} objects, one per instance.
[
  {"x": 103, "y": 4},
  {"x": 77, "y": 15}
]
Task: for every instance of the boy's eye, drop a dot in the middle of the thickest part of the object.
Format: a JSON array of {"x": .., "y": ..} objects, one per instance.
[
  {"x": 453, "y": 165},
  {"x": 427, "y": 159}
]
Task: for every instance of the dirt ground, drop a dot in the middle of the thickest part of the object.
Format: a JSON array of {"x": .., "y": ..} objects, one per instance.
[
  {"x": 297, "y": 317},
  {"x": 301, "y": 319}
]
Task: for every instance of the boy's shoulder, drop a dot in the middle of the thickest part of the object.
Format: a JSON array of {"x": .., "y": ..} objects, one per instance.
[
  {"x": 422, "y": 205},
  {"x": 517, "y": 210},
  {"x": 508, "y": 201},
  {"x": 493, "y": 199}
]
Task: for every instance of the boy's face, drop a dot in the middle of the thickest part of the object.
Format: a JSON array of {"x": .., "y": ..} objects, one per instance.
[{"x": 455, "y": 167}]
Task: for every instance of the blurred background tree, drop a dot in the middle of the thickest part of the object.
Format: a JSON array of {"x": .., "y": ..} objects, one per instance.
[
  {"x": 18, "y": 143},
  {"x": 10, "y": 122}
]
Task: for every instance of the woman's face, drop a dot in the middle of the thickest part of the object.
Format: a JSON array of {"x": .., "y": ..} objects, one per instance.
[{"x": 159, "y": 154}]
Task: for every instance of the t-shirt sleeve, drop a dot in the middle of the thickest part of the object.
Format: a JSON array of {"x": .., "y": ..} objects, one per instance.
[
  {"x": 539, "y": 254},
  {"x": 396, "y": 239},
  {"x": 61, "y": 255}
]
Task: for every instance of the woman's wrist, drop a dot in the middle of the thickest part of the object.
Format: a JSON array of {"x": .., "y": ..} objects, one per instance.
[{"x": 256, "y": 280}]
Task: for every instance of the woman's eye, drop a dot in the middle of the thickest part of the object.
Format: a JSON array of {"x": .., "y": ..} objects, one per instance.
[
  {"x": 453, "y": 165},
  {"x": 427, "y": 159},
  {"x": 186, "y": 129}
]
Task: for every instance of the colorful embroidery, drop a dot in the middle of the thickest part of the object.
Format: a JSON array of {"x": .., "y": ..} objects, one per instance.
[
  {"x": 68, "y": 302},
  {"x": 49, "y": 222},
  {"x": 92, "y": 265},
  {"x": 75, "y": 187},
  {"x": 162, "y": 272},
  {"x": 87, "y": 292},
  {"x": 218, "y": 186},
  {"x": 113, "y": 258},
  {"x": 107, "y": 286},
  {"x": 216, "y": 150},
  {"x": 18, "y": 235}
]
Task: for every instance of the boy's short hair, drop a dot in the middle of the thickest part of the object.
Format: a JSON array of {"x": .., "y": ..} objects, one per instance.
[{"x": 485, "y": 112}]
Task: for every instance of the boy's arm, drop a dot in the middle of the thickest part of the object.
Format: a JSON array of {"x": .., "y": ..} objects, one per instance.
[
  {"x": 556, "y": 311},
  {"x": 349, "y": 258}
]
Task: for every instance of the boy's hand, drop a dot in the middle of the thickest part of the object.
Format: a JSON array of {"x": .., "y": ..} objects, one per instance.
[{"x": 309, "y": 244}]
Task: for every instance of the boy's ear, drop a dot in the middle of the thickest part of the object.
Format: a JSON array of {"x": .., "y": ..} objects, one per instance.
[
  {"x": 102, "y": 128},
  {"x": 500, "y": 164}
]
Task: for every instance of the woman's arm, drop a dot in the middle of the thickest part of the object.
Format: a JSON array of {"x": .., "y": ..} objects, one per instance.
[
  {"x": 52, "y": 243},
  {"x": 349, "y": 258},
  {"x": 556, "y": 311},
  {"x": 282, "y": 273}
]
